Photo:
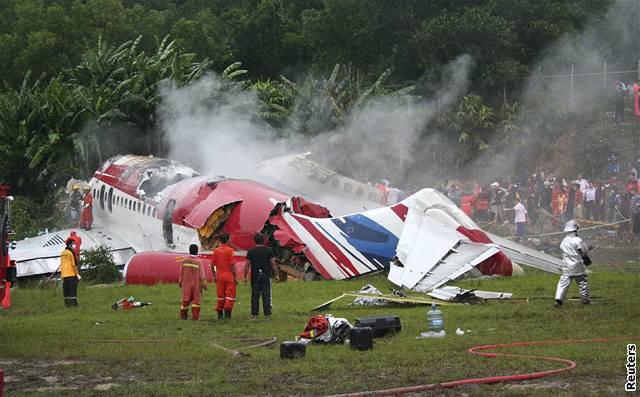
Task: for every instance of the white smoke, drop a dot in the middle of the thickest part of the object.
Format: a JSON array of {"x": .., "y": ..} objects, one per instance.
[
  {"x": 380, "y": 140},
  {"x": 214, "y": 128},
  {"x": 610, "y": 40}
]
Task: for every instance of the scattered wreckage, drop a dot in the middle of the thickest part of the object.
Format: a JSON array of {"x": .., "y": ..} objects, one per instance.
[{"x": 149, "y": 210}]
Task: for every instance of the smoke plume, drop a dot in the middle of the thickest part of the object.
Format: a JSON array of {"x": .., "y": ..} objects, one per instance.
[{"x": 214, "y": 128}]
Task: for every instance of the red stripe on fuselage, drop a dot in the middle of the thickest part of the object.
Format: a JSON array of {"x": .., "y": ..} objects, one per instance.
[
  {"x": 498, "y": 264},
  {"x": 316, "y": 264},
  {"x": 401, "y": 210},
  {"x": 340, "y": 259}
]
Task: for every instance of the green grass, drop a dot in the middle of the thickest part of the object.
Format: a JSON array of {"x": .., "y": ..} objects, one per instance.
[{"x": 39, "y": 338}]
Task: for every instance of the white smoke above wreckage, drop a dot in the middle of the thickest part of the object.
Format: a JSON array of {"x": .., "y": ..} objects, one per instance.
[
  {"x": 605, "y": 51},
  {"x": 214, "y": 128}
]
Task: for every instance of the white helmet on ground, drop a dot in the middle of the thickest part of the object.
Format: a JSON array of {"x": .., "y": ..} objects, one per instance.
[{"x": 571, "y": 226}]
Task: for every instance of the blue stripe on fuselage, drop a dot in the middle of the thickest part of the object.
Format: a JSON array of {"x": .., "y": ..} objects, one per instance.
[{"x": 368, "y": 237}]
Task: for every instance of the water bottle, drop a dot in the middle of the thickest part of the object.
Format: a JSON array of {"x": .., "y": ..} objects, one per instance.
[{"x": 435, "y": 319}]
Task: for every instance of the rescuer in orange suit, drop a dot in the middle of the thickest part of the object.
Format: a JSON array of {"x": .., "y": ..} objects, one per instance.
[
  {"x": 78, "y": 240},
  {"x": 225, "y": 277},
  {"x": 86, "y": 219},
  {"x": 192, "y": 281}
]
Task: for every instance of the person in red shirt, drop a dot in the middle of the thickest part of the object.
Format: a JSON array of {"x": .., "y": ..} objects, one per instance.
[
  {"x": 86, "y": 219},
  {"x": 224, "y": 275},
  {"x": 78, "y": 240}
]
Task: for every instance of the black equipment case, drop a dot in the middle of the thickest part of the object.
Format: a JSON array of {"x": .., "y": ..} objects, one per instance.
[
  {"x": 381, "y": 325},
  {"x": 291, "y": 349},
  {"x": 361, "y": 338}
]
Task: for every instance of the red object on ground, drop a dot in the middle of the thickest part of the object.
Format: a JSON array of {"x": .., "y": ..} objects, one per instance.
[
  {"x": 316, "y": 326},
  {"x": 150, "y": 268},
  {"x": 1, "y": 382},
  {"x": 494, "y": 379}
]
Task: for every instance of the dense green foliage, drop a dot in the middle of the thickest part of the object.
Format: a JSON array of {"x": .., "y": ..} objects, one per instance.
[
  {"x": 101, "y": 268},
  {"x": 82, "y": 78},
  {"x": 272, "y": 37}
]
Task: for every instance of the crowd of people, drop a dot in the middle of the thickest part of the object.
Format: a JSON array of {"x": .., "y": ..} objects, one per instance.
[{"x": 610, "y": 200}]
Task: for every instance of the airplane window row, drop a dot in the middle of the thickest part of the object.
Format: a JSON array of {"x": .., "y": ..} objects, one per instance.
[
  {"x": 132, "y": 205},
  {"x": 335, "y": 183}
]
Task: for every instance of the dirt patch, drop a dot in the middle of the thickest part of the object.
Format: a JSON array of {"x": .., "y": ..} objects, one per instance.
[{"x": 50, "y": 376}]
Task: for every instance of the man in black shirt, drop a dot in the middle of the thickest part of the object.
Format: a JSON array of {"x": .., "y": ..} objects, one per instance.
[{"x": 262, "y": 261}]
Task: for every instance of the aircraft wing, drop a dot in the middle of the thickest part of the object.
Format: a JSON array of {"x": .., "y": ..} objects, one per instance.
[
  {"x": 527, "y": 256},
  {"x": 430, "y": 253},
  {"x": 41, "y": 254}
]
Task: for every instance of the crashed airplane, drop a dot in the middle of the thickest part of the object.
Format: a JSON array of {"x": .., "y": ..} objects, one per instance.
[{"x": 147, "y": 210}]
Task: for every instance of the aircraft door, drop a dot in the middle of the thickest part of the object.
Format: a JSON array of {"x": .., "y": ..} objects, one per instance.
[{"x": 167, "y": 224}]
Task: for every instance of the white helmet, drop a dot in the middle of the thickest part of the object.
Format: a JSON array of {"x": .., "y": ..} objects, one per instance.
[{"x": 571, "y": 226}]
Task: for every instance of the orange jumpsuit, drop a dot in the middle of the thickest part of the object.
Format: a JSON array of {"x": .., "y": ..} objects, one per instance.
[
  {"x": 225, "y": 280},
  {"x": 86, "y": 219},
  {"x": 193, "y": 281}
]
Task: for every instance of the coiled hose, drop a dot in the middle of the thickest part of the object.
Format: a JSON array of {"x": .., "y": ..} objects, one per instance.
[{"x": 569, "y": 364}]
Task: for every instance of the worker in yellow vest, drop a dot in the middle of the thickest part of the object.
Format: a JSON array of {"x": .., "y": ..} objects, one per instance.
[{"x": 70, "y": 274}]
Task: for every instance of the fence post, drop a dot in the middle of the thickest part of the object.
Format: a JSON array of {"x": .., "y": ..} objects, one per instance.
[{"x": 571, "y": 93}]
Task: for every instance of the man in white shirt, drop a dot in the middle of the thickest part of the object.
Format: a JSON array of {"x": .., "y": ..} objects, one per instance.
[
  {"x": 584, "y": 184},
  {"x": 520, "y": 218},
  {"x": 590, "y": 200},
  {"x": 574, "y": 260}
]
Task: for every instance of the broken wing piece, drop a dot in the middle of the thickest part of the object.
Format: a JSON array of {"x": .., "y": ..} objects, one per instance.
[
  {"x": 528, "y": 256},
  {"x": 432, "y": 254},
  {"x": 457, "y": 294},
  {"x": 41, "y": 254}
]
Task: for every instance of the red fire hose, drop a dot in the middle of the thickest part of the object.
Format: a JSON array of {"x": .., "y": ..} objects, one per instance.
[{"x": 494, "y": 379}]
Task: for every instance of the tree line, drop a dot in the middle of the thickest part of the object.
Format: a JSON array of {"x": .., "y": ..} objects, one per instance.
[{"x": 74, "y": 72}]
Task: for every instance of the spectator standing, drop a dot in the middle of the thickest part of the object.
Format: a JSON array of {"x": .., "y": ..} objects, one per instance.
[
  {"x": 497, "y": 210},
  {"x": 613, "y": 166},
  {"x": 579, "y": 202},
  {"x": 614, "y": 205},
  {"x": 590, "y": 200},
  {"x": 600, "y": 202},
  {"x": 454, "y": 194},
  {"x": 620, "y": 96},
  {"x": 520, "y": 218},
  {"x": 584, "y": 184},
  {"x": 561, "y": 211},
  {"x": 571, "y": 201},
  {"x": 261, "y": 260}
]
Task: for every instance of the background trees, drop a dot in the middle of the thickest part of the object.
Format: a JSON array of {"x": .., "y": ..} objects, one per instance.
[{"x": 80, "y": 79}]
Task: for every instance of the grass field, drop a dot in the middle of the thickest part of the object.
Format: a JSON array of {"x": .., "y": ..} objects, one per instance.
[{"x": 46, "y": 349}]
